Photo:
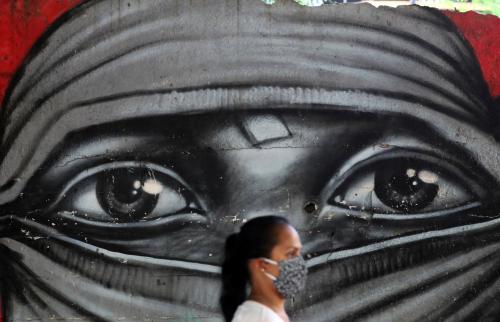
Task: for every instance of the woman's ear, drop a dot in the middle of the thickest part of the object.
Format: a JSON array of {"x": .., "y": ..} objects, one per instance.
[
  {"x": 257, "y": 264},
  {"x": 263, "y": 264}
]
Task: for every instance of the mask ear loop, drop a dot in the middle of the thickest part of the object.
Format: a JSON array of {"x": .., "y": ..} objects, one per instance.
[{"x": 270, "y": 261}]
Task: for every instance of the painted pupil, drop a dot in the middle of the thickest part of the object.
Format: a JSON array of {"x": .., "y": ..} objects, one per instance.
[
  {"x": 401, "y": 188},
  {"x": 120, "y": 193}
]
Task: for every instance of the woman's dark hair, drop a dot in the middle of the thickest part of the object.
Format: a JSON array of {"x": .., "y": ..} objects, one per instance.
[{"x": 256, "y": 238}]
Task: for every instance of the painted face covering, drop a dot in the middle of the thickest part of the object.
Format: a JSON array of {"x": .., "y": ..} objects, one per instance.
[
  {"x": 292, "y": 276},
  {"x": 106, "y": 63}
]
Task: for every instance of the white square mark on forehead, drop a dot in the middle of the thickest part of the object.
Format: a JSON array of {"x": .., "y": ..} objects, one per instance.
[{"x": 264, "y": 128}]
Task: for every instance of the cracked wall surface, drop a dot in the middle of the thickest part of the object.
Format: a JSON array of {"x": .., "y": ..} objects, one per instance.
[{"x": 138, "y": 135}]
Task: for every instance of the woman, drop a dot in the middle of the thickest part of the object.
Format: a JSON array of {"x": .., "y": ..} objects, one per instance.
[{"x": 266, "y": 254}]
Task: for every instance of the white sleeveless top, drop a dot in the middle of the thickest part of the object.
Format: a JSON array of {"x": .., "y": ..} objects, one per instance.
[{"x": 253, "y": 311}]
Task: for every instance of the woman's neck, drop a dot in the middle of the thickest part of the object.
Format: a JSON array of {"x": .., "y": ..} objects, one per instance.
[{"x": 274, "y": 302}]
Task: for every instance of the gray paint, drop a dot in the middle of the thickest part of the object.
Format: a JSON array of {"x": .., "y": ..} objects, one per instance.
[{"x": 139, "y": 134}]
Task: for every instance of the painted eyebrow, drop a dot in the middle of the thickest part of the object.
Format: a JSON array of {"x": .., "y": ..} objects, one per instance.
[
  {"x": 88, "y": 149},
  {"x": 91, "y": 151}
]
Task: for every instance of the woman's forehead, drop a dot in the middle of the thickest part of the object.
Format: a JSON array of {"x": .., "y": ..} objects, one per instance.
[{"x": 288, "y": 237}]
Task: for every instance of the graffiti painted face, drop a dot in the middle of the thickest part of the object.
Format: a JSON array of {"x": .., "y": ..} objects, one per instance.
[
  {"x": 195, "y": 177},
  {"x": 120, "y": 182}
]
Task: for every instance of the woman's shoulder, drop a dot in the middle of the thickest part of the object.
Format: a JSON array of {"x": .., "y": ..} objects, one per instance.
[{"x": 252, "y": 311}]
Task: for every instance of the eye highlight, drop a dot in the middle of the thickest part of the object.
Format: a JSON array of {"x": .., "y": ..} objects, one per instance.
[
  {"x": 128, "y": 193},
  {"x": 402, "y": 186}
]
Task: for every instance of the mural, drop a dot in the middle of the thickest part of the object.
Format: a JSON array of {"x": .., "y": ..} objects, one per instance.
[{"x": 139, "y": 134}]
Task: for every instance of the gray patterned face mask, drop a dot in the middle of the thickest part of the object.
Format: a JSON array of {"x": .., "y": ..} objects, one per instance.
[{"x": 292, "y": 276}]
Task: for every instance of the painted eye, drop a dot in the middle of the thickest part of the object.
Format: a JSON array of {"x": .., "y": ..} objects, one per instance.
[
  {"x": 128, "y": 194},
  {"x": 402, "y": 185}
]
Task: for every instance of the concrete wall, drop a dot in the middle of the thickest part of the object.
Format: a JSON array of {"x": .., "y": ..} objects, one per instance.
[{"x": 138, "y": 134}]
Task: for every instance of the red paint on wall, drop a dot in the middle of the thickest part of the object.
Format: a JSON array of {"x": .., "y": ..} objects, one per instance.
[
  {"x": 21, "y": 23},
  {"x": 483, "y": 32}
]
